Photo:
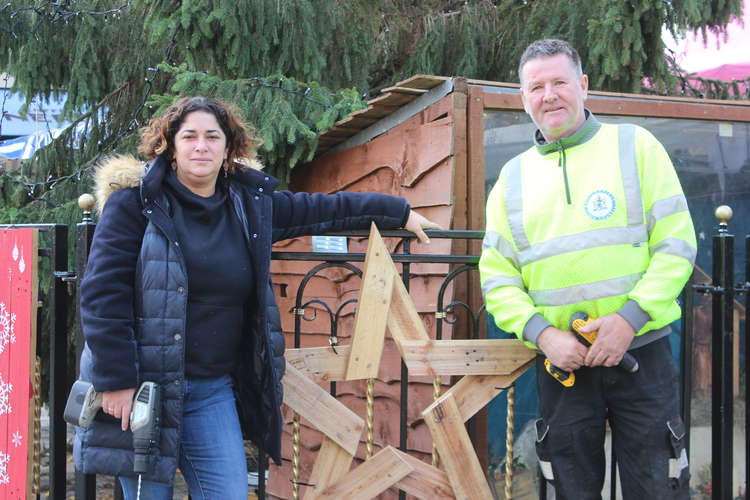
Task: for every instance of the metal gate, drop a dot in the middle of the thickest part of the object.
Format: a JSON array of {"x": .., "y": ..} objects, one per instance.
[
  {"x": 723, "y": 292},
  {"x": 725, "y": 332}
]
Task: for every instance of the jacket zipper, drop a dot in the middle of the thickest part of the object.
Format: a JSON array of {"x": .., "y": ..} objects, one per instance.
[{"x": 562, "y": 162}]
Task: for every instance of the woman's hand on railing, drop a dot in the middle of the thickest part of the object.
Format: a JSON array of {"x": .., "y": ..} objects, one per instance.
[{"x": 416, "y": 223}]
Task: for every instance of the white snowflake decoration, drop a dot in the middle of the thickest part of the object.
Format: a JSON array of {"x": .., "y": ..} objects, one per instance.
[
  {"x": 5, "y": 390},
  {"x": 4, "y": 460},
  {"x": 7, "y": 327},
  {"x": 17, "y": 439}
]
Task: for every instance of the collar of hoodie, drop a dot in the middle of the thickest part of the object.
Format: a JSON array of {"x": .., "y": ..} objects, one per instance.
[{"x": 587, "y": 130}]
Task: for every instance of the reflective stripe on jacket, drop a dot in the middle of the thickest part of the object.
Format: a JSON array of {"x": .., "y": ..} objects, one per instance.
[{"x": 621, "y": 240}]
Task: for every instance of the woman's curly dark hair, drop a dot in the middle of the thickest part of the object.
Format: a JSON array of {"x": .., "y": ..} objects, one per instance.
[{"x": 157, "y": 137}]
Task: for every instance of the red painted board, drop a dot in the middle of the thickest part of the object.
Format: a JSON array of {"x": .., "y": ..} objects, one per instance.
[{"x": 18, "y": 255}]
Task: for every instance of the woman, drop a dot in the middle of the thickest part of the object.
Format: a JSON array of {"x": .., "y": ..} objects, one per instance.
[{"x": 177, "y": 292}]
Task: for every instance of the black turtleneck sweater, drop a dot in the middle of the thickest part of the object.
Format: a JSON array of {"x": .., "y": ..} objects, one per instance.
[{"x": 219, "y": 277}]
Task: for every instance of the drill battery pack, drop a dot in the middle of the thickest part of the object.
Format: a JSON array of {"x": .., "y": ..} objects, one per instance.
[{"x": 82, "y": 405}]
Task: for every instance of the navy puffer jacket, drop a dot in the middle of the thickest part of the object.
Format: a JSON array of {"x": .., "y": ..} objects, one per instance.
[{"x": 134, "y": 300}]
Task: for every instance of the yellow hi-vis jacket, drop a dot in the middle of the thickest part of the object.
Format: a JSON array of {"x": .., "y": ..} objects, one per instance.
[{"x": 596, "y": 223}]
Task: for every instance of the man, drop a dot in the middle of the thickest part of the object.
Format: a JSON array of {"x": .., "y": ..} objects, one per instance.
[{"x": 592, "y": 219}]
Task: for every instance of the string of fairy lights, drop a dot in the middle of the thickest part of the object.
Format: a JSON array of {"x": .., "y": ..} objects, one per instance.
[
  {"x": 49, "y": 12},
  {"x": 257, "y": 81}
]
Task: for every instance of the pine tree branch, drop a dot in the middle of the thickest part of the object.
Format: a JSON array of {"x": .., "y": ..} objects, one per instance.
[{"x": 51, "y": 12}]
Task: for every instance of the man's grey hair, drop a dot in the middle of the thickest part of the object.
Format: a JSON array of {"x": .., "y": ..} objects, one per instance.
[{"x": 550, "y": 47}]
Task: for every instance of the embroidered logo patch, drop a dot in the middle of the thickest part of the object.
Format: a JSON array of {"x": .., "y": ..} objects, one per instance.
[{"x": 600, "y": 204}]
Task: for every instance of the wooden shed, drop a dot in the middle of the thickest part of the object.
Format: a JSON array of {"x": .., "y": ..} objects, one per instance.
[{"x": 440, "y": 143}]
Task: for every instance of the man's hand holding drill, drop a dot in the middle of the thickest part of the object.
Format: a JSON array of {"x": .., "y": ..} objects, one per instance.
[
  {"x": 613, "y": 340},
  {"x": 562, "y": 348}
]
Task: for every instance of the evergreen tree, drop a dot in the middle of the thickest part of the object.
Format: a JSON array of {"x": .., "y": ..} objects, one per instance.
[{"x": 295, "y": 66}]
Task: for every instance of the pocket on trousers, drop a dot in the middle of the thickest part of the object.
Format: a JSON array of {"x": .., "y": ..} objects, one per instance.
[
  {"x": 679, "y": 473},
  {"x": 543, "y": 449}
]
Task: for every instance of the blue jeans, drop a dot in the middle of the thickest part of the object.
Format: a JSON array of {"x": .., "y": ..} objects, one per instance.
[{"x": 212, "y": 454}]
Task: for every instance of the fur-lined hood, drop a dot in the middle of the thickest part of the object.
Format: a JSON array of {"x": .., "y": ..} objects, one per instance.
[{"x": 126, "y": 171}]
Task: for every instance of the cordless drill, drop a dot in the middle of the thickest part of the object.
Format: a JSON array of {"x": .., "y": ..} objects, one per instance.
[
  {"x": 579, "y": 319},
  {"x": 84, "y": 403},
  {"x": 144, "y": 423},
  {"x": 568, "y": 379}
]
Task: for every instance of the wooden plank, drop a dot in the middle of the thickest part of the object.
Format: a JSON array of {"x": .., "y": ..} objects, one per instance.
[
  {"x": 332, "y": 464},
  {"x": 372, "y": 112},
  {"x": 475, "y": 181},
  {"x": 473, "y": 392},
  {"x": 18, "y": 310},
  {"x": 371, "y": 478},
  {"x": 364, "y": 113},
  {"x": 326, "y": 137},
  {"x": 426, "y": 482},
  {"x": 639, "y": 106},
  {"x": 460, "y": 214},
  {"x": 427, "y": 147},
  {"x": 475, "y": 187},
  {"x": 372, "y": 311},
  {"x": 404, "y": 90},
  {"x": 409, "y": 106},
  {"x": 356, "y": 122},
  {"x": 456, "y": 452},
  {"x": 404, "y": 322},
  {"x": 489, "y": 83},
  {"x": 668, "y": 109},
  {"x": 465, "y": 356},
  {"x": 378, "y": 110},
  {"x": 502, "y": 101},
  {"x": 320, "y": 363},
  {"x": 391, "y": 99},
  {"x": 422, "y": 81},
  {"x": 622, "y": 95},
  {"x": 684, "y": 99},
  {"x": 460, "y": 173},
  {"x": 412, "y": 151},
  {"x": 340, "y": 132},
  {"x": 462, "y": 328},
  {"x": 323, "y": 411}
]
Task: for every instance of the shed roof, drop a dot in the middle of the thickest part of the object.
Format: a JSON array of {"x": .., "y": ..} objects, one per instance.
[
  {"x": 390, "y": 100},
  {"x": 406, "y": 98}
]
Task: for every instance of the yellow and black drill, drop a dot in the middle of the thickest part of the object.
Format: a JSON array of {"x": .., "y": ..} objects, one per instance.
[{"x": 579, "y": 319}]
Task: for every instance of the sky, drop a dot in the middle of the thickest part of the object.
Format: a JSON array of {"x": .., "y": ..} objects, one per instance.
[{"x": 693, "y": 55}]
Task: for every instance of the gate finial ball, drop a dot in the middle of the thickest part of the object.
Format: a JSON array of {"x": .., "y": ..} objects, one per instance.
[
  {"x": 86, "y": 202},
  {"x": 723, "y": 213}
]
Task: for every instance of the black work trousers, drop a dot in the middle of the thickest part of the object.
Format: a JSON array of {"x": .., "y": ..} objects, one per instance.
[{"x": 647, "y": 431}]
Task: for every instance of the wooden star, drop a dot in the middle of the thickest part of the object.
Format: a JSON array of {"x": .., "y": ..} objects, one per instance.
[{"x": 488, "y": 367}]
